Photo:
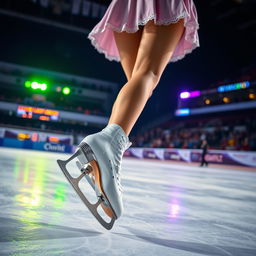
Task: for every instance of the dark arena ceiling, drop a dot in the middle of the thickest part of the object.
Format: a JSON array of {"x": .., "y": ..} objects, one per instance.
[
  {"x": 227, "y": 35},
  {"x": 49, "y": 35}
]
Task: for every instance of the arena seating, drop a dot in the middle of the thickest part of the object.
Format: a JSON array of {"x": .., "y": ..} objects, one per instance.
[{"x": 227, "y": 133}]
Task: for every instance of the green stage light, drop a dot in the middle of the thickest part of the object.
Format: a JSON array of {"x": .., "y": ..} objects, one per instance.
[
  {"x": 35, "y": 85},
  {"x": 27, "y": 84},
  {"x": 66, "y": 90},
  {"x": 43, "y": 87}
]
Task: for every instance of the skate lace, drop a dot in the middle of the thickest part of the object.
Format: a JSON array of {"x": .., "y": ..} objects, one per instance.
[{"x": 122, "y": 146}]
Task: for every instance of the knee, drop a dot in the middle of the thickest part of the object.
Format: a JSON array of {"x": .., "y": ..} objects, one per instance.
[
  {"x": 155, "y": 76},
  {"x": 150, "y": 77}
]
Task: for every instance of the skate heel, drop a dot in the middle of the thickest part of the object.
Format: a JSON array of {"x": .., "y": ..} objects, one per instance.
[{"x": 84, "y": 156}]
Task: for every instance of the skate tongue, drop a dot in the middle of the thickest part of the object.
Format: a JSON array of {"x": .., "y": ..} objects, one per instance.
[{"x": 117, "y": 130}]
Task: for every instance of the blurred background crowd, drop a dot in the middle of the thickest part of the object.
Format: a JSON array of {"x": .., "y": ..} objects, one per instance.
[{"x": 53, "y": 81}]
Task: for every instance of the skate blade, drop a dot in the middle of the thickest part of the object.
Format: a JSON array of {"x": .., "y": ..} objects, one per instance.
[
  {"x": 95, "y": 182},
  {"x": 75, "y": 184},
  {"x": 94, "y": 179}
]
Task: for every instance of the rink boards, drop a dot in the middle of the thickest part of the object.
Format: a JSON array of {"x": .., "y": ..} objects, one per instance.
[{"x": 226, "y": 157}]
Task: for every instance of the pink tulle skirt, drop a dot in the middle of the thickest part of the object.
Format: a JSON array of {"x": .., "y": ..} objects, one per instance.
[{"x": 128, "y": 15}]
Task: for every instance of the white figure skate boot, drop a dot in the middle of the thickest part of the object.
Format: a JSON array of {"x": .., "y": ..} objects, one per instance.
[{"x": 99, "y": 158}]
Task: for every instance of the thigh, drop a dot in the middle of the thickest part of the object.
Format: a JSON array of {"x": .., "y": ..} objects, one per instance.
[
  {"x": 128, "y": 45},
  {"x": 157, "y": 45}
]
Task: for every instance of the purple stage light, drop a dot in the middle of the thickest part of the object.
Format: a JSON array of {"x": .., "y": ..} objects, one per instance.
[
  {"x": 186, "y": 95},
  {"x": 195, "y": 94}
]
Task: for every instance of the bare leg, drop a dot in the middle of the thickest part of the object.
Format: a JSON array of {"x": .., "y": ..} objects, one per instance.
[
  {"x": 128, "y": 46},
  {"x": 156, "y": 47}
]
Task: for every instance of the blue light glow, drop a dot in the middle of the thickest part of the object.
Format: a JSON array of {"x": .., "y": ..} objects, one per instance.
[
  {"x": 232, "y": 87},
  {"x": 182, "y": 112}
]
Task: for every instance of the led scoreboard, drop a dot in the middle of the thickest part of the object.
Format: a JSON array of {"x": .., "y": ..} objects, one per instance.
[{"x": 37, "y": 113}]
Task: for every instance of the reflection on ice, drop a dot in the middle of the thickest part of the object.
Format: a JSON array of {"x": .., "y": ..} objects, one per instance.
[
  {"x": 167, "y": 212},
  {"x": 175, "y": 208}
]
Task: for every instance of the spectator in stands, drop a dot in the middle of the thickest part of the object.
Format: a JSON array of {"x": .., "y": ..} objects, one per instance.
[
  {"x": 245, "y": 145},
  {"x": 222, "y": 136},
  {"x": 204, "y": 147}
]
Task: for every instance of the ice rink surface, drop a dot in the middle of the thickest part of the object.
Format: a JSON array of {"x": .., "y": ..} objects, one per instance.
[{"x": 170, "y": 209}]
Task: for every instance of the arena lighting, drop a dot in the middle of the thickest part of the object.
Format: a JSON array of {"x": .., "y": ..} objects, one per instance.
[
  {"x": 182, "y": 112},
  {"x": 186, "y": 95},
  {"x": 207, "y": 101},
  {"x": 35, "y": 85},
  {"x": 251, "y": 96},
  {"x": 226, "y": 100},
  {"x": 232, "y": 87},
  {"x": 27, "y": 84},
  {"x": 43, "y": 87},
  {"x": 66, "y": 90}
]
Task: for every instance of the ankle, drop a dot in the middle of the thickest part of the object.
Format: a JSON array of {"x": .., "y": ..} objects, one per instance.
[{"x": 116, "y": 132}]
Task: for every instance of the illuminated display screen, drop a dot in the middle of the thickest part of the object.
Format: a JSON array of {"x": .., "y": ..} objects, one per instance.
[
  {"x": 232, "y": 87},
  {"x": 37, "y": 113}
]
